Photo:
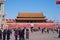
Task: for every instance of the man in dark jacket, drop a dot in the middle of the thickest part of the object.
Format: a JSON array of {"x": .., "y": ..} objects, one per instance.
[
  {"x": 8, "y": 34},
  {"x": 0, "y": 34},
  {"x": 20, "y": 34},
  {"x": 59, "y": 33},
  {"x": 4, "y": 34},
  {"x": 23, "y": 32}
]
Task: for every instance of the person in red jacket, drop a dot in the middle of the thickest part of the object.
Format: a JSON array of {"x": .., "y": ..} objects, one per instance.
[
  {"x": 16, "y": 34},
  {"x": 27, "y": 33}
]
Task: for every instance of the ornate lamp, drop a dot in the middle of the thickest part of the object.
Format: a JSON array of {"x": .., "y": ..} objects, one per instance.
[{"x": 2, "y": 1}]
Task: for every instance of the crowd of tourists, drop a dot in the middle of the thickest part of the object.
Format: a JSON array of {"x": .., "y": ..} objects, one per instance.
[
  {"x": 19, "y": 33},
  {"x": 47, "y": 30}
]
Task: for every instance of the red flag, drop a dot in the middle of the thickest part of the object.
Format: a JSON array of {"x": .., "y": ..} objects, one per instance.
[{"x": 57, "y": 2}]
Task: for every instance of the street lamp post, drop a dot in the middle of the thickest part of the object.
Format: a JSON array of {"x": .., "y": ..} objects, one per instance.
[{"x": 2, "y": 13}]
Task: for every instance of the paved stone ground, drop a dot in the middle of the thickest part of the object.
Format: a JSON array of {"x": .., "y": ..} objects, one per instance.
[
  {"x": 39, "y": 36},
  {"x": 44, "y": 36}
]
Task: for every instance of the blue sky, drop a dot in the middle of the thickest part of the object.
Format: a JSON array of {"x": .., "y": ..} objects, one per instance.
[{"x": 49, "y": 8}]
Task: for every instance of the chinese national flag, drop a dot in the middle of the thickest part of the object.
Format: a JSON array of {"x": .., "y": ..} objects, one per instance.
[{"x": 57, "y": 2}]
